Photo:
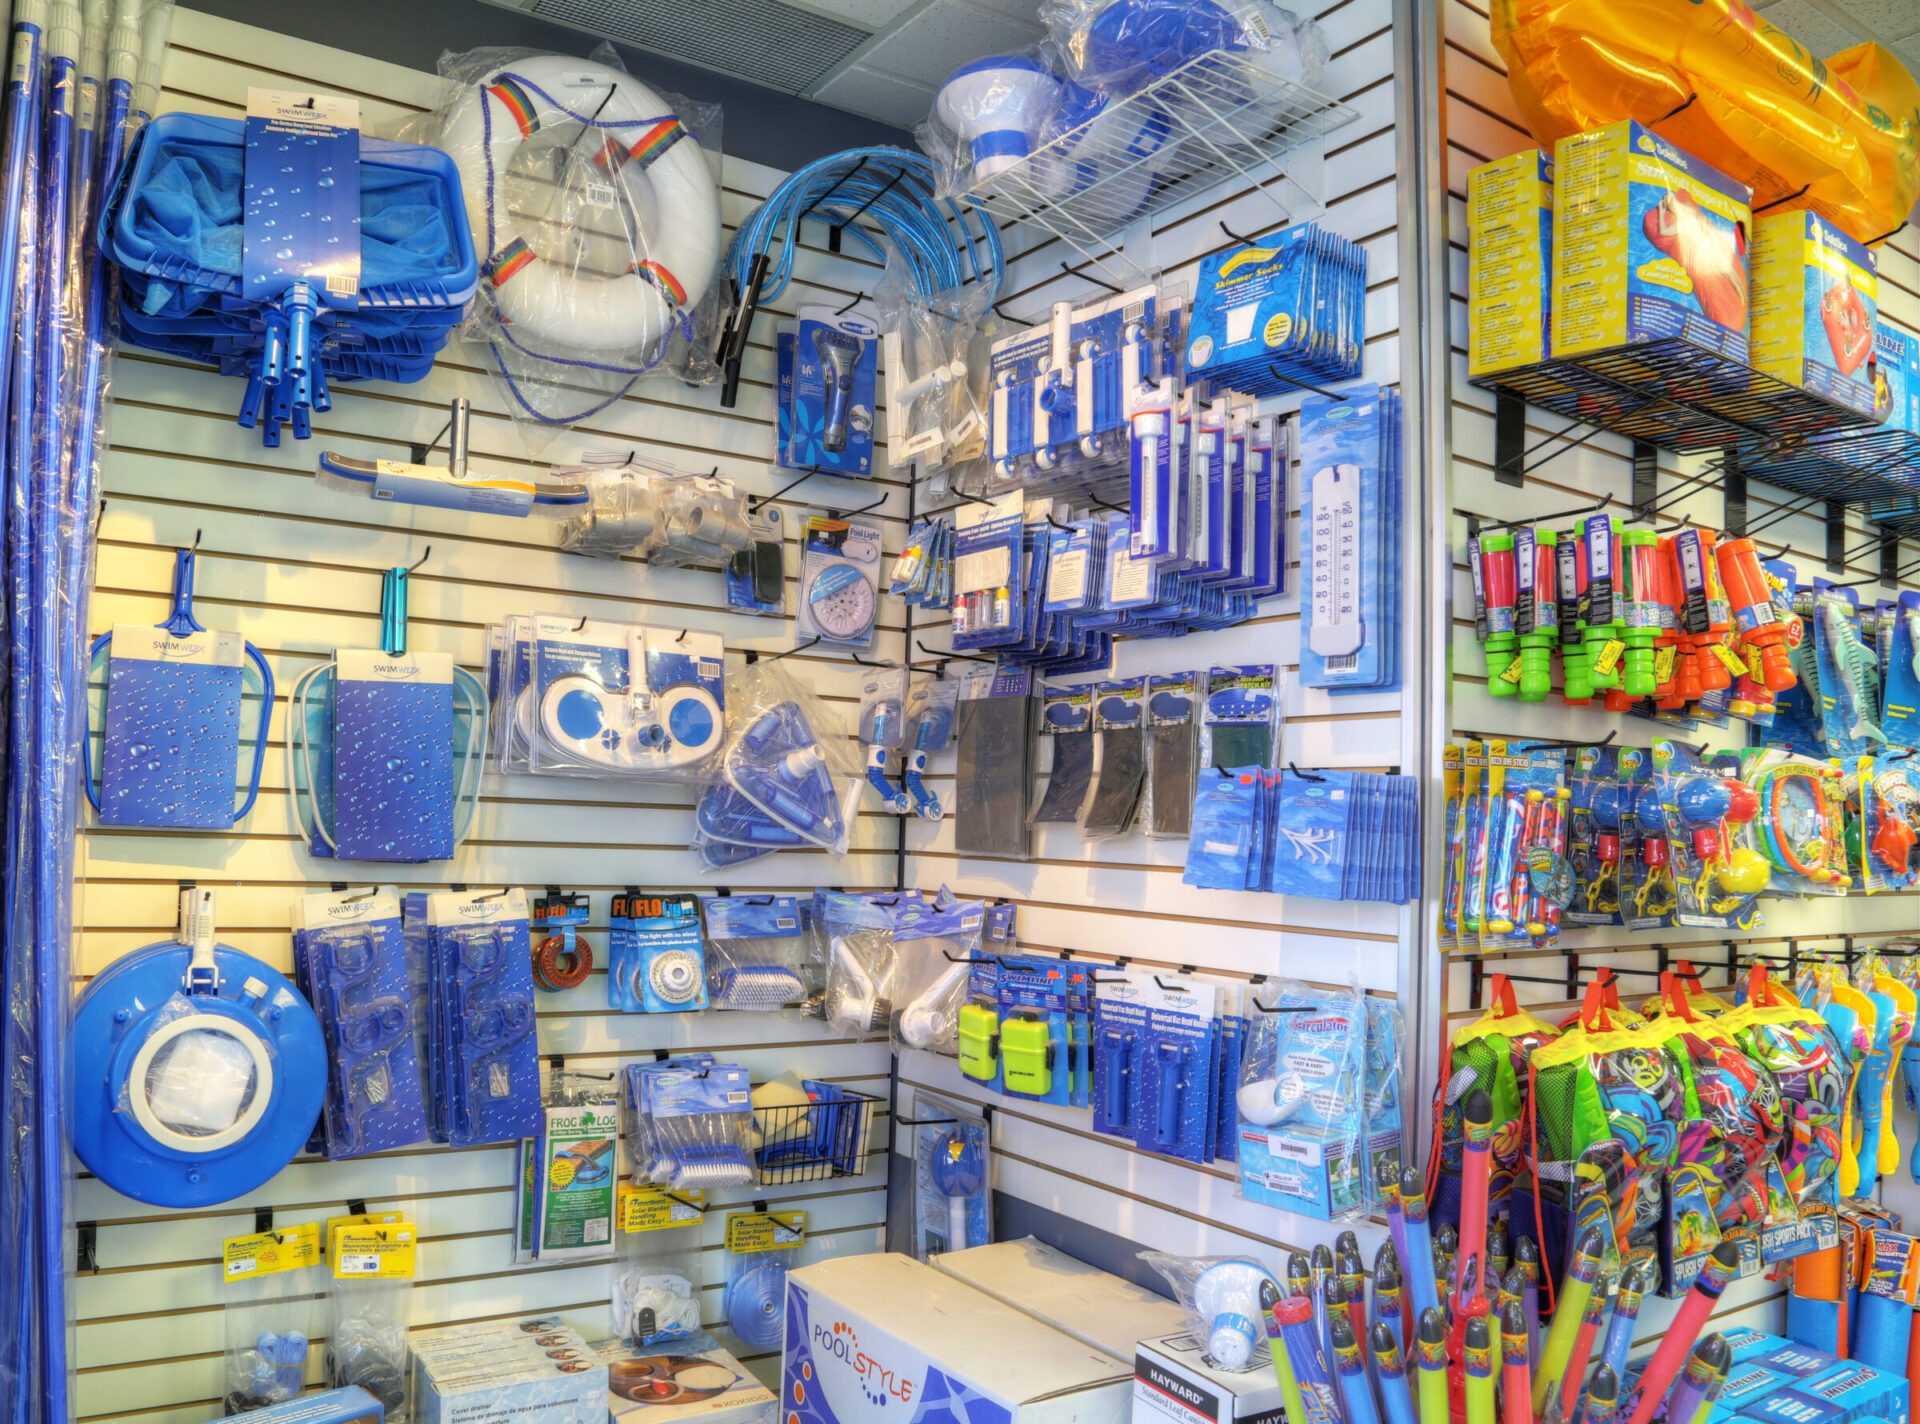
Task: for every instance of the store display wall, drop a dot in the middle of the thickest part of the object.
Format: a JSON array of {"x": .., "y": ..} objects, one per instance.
[
  {"x": 1482, "y": 124},
  {"x": 296, "y": 570},
  {"x": 1125, "y": 898}
]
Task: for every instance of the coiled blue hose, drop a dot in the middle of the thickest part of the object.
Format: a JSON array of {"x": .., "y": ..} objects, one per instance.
[{"x": 887, "y": 188}]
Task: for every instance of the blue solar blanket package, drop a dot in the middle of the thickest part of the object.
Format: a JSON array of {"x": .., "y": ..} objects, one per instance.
[
  {"x": 172, "y": 729},
  {"x": 393, "y": 778}
]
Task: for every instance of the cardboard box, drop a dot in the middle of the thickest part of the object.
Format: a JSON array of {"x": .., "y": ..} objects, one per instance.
[
  {"x": 351, "y": 1405},
  {"x": 1176, "y": 1382},
  {"x": 508, "y": 1372},
  {"x": 871, "y": 1339},
  {"x": 1649, "y": 244},
  {"x": 1746, "y": 1384},
  {"x": 1896, "y": 378},
  {"x": 1104, "y": 1311},
  {"x": 668, "y": 1386},
  {"x": 1509, "y": 262},
  {"x": 1860, "y": 1392},
  {"x": 1816, "y": 297},
  {"x": 1795, "y": 1362}
]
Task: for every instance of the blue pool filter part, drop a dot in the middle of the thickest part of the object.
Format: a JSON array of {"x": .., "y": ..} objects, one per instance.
[
  {"x": 483, "y": 1058},
  {"x": 171, "y": 752},
  {"x": 197, "y": 1071}
]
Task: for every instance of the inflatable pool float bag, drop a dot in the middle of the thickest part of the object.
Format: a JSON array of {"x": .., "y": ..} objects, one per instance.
[{"x": 1724, "y": 85}]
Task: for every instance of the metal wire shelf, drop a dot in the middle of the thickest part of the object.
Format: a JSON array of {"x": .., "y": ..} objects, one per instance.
[
  {"x": 1673, "y": 395},
  {"x": 1216, "y": 117},
  {"x": 1886, "y": 463},
  {"x": 822, "y": 1138}
]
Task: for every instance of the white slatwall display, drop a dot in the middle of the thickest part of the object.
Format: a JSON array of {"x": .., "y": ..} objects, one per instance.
[
  {"x": 1124, "y": 898},
  {"x": 296, "y": 569},
  {"x": 1482, "y": 123}
]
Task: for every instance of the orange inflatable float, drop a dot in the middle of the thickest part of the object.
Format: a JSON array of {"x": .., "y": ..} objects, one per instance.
[{"x": 1840, "y": 136}]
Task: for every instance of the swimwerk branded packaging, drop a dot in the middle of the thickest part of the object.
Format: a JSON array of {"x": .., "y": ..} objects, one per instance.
[
  {"x": 393, "y": 789},
  {"x": 172, "y": 728}
]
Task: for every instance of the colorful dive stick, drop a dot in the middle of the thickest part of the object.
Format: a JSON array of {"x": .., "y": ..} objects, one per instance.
[
  {"x": 1570, "y": 586},
  {"x": 1335, "y": 1309},
  {"x": 1754, "y": 613},
  {"x": 1603, "y": 1398},
  {"x": 1389, "y": 1299},
  {"x": 1396, "y": 1396},
  {"x": 1432, "y": 1361},
  {"x": 1501, "y": 599},
  {"x": 1387, "y": 1179},
  {"x": 1323, "y": 1278},
  {"x": 1475, "y": 1164},
  {"x": 1639, "y": 1277},
  {"x": 1568, "y": 1310},
  {"x": 1353, "y": 1276},
  {"x": 1446, "y": 1250},
  {"x": 1643, "y": 606},
  {"x": 1499, "y": 1253},
  {"x": 1479, "y": 1371},
  {"x": 1516, "y": 1367},
  {"x": 1685, "y": 1330},
  {"x": 1417, "y": 1260},
  {"x": 1526, "y": 1259},
  {"x": 1356, "y": 1392},
  {"x": 1591, "y": 1319},
  {"x": 1700, "y": 1382},
  {"x": 1537, "y": 610},
  {"x": 1318, "y": 1401},
  {"x": 1600, "y": 553},
  {"x": 1270, "y": 1304}
]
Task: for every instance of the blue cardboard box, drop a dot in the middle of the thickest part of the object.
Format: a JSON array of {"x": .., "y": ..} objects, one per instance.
[{"x": 352, "y": 1405}]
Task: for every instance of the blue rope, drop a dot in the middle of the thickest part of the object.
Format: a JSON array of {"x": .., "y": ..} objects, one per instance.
[{"x": 894, "y": 191}]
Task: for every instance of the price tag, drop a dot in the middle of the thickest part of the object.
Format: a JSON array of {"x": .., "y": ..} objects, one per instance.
[
  {"x": 1663, "y": 660},
  {"x": 753, "y": 1231},
  {"x": 1511, "y": 672},
  {"x": 1609, "y": 658},
  {"x": 1728, "y": 659},
  {"x": 653, "y": 1208},
  {"x": 1756, "y": 664},
  {"x": 268, "y": 1253}
]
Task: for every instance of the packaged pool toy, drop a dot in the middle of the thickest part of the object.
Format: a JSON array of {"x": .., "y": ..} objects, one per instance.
[{"x": 1816, "y": 295}]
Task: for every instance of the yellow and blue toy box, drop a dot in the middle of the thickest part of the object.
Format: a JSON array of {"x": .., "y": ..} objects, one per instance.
[
  {"x": 1649, "y": 245},
  {"x": 1509, "y": 262},
  {"x": 1895, "y": 369},
  {"x": 1816, "y": 295}
]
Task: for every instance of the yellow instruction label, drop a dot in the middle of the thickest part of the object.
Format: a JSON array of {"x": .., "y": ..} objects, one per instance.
[
  {"x": 1728, "y": 659},
  {"x": 1663, "y": 660},
  {"x": 374, "y": 1252},
  {"x": 268, "y": 1253},
  {"x": 1512, "y": 672},
  {"x": 751, "y": 1231},
  {"x": 1609, "y": 657},
  {"x": 653, "y": 1208},
  {"x": 365, "y": 1218},
  {"x": 1756, "y": 664}
]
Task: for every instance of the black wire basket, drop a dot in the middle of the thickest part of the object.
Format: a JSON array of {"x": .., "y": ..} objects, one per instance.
[{"x": 822, "y": 1138}]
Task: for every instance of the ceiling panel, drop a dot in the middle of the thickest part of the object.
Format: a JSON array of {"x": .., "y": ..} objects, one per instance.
[
  {"x": 879, "y": 96},
  {"x": 760, "y": 40},
  {"x": 946, "y": 34}
]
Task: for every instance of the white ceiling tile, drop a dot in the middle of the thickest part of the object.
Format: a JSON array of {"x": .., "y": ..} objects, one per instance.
[
  {"x": 1811, "y": 27},
  {"x": 1026, "y": 10},
  {"x": 944, "y": 36},
  {"x": 1890, "y": 18},
  {"x": 867, "y": 14},
  {"x": 878, "y": 96}
]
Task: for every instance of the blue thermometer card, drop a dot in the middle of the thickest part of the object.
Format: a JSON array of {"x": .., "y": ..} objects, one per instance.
[
  {"x": 171, "y": 754},
  {"x": 393, "y": 784}
]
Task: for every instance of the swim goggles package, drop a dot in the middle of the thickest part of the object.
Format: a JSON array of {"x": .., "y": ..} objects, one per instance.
[
  {"x": 688, "y": 1124},
  {"x": 270, "y": 1282},
  {"x": 222, "y": 233},
  {"x": 934, "y": 947},
  {"x": 602, "y": 273},
  {"x": 654, "y": 1296},
  {"x": 1281, "y": 312},
  {"x": 757, "y": 957},
  {"x": 1350, "y": 501},
  {"x": 1717, "y": 879},
  {"x": 839, "y": 582},
  {"x": 828, "y": 366},
  {"x": 483, "y": 1060},
  {"x": 1798, "y": 826},
  {"x": 621, "y": 699},
  {"x": 1305, "y": 1144},
  {"x": 385, "y": 747},
  {"x": 787, "y": 778},
  {"x": 1173, "y": 749},
  {"x": 656, "y": 954},
  {"x": 565, "y": 1198},
  {"x": 350, "y": 959},
  {"x": 1221, "y": 1295},
  {"x": 167, "y": 705},
  {"x": 952, "y": 1176},
  {"x": 369, "y": 1309}
]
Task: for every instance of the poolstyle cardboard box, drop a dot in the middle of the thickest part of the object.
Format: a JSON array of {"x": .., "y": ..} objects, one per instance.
[
  {"x": 876, "y": 1339},
  {"x": 1094, "y": 1306}
]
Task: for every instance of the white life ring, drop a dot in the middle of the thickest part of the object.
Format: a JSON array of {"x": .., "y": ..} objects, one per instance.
[{"x": 673, "y": 198}]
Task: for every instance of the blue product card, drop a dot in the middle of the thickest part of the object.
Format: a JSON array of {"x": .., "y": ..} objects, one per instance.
[
  {"x": 171, "y": 752},
  {"x": 302, "y": 218},
  {"x": 393, "y": 780}
]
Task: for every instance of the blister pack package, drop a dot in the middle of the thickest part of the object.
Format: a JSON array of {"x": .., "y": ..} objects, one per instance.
[
  {"x": 934, "y": 948},
  {"x": 756, "y": 954},
  {"x": 688, "y": 1124},
  {"x": 483, "y": 1060}
]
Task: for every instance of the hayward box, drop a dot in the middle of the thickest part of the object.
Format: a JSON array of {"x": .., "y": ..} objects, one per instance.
[
  {"x": 1101, "y": 1309},
  {"x": 886, "y": 1340},
  {"x": 1175, "y": 1381}
]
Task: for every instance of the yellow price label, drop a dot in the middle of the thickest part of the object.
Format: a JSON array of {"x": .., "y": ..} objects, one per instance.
[
  {"x": 654, "y": 1208},
  {"x": 1512, "y": 673},
  {"x": 1663, "y": 661},
  {"x": 1609, "y": 657},
  {"x": 754, "y": 1231},
  {"x": 268, "y": 1253},
  {"x": 375, "y": 1252},
  {"x": 1729, "y": 659}
]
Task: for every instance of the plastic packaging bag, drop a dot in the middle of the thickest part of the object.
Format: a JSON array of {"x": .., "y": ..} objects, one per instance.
[
  {"x": 932, "y": 414},
  {"x": 1221, "y": 1295},
  {"x": 1119, "y": 46},
  {"x": 756, "y": 952},
  {"x": 271, "y": 1285},
  {"x": 861, "y": 963},
  {"x": 656, "y": 1293},
  {"x": 934, "y": 950},
  {"x": 595, "y": 205},
  {"x": 201, "y": 1081},
  {"x": 368, "y": 1311},
  {"x": 952, "y": 1176},
  {"x": 688, "y": 1124},
  {"x": 1302, "y": 1102}
]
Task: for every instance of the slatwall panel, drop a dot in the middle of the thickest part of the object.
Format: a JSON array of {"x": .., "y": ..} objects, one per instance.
[
  {"x": 1482, "y": 124},
  {"x": 1124, "y": 897},
  {"x": 297, "y": 570}
]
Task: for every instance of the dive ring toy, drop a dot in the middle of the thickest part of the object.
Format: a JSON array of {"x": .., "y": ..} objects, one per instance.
[{"x": 668, "y": 191}]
